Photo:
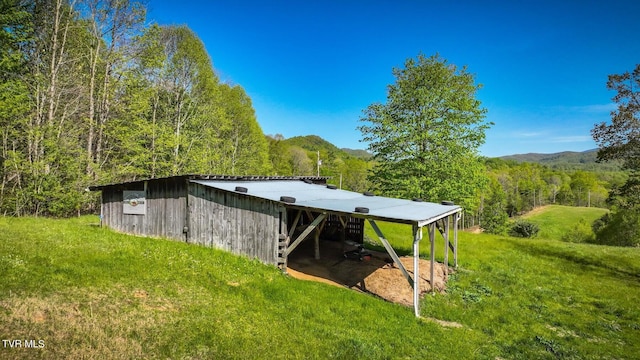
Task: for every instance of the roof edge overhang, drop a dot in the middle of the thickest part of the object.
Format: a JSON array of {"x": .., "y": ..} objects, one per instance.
[
  {"x": 455, "y": 209},
  {"x": 210, "y": 177},
  {"x": 426, "y": 222}
]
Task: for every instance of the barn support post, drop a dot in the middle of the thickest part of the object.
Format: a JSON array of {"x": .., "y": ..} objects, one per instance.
[
  {"x": 417, "y": 236},
  {"x": 316, "y": 244},
  {"x": 186, "y": 229},
  {"x": 283, "y": 240},
  {"x": 316, "y": 237},
  {"x": 390, "y": 251},
  {"x": 305, "y": 233},
  {"x": 432, "y": 239}
]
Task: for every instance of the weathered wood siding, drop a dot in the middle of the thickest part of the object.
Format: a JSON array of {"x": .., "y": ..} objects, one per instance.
[
  {"x": 234, "y": 222},
  {"x": 166, "y": 209}
]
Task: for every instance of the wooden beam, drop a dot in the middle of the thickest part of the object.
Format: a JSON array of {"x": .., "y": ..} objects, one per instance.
[
  {"x": 283, "y": 240},
  {"x": 390, "y": 251},
  {"x": 316, "y": 237},
  {"x": 316, "y": 243},
  {"x": 342, "y": 221},
  {"x": 295, "y": 223},
  {"x": 306, "y": 232}
]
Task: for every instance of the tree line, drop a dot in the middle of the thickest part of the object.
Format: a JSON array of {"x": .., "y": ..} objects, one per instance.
[{"x": 517, "y": 187}]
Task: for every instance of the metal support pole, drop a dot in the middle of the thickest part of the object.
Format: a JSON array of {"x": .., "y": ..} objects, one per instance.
[
  {"x": 417, "y": 236},
  {"x": 391, "y": 252},
  {"x": 432, "y": 239},
  {"x": 455, "y": 239},
  {"x": 446, "y": 241}
]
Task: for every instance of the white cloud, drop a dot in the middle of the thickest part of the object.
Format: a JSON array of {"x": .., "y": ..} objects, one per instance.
[
  {"x": 587, "y": 109},
  {"x": 529, "y": 134},
  {"x": 571, "y": 139}
]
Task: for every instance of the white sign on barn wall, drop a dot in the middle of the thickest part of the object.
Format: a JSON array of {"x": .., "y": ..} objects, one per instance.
[{"x": 134, "y": 202}]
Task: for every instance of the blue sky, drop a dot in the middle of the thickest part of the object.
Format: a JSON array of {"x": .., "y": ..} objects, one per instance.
[{"x": 311, "y": 67}]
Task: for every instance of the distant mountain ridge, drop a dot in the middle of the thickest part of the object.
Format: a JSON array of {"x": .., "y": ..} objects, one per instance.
[
  {"x": 359, "y": 153},
  {"x": 573, "y": 157},
  {"x": 576, "y": 160},
  {"x": 565, "y": 160}
]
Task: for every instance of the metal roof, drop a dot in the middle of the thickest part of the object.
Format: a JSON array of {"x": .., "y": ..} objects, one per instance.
[
  {"x": 322, "y": 198},
  {"x": 210, "y": 177}
]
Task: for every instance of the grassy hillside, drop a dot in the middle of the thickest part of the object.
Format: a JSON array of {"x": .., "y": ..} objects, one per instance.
[
  {"x": 359, "y": 153},
  {"x": 89, "y": 292},
  {"x": 557, "y": 221},
  {"x": 314, "y": 143}
]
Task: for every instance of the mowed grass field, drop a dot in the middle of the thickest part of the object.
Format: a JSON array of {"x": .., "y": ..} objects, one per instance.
[
  {"x": 556, "y": 221},
  {"x": 88, "y": 292}
]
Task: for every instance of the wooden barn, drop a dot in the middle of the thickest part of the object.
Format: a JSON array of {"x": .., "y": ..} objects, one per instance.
[{"x": 267, "y": 217}]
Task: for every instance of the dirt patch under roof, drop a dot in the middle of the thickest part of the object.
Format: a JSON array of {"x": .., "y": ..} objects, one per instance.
[{"x": 378, "y": 275}]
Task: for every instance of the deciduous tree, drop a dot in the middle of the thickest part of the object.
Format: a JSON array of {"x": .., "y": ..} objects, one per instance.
[
  {"x": 620, "y": 139},
  {"x": 425, "y": 138}
]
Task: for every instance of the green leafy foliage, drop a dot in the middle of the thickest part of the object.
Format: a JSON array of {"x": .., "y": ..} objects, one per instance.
[
  {"x": 619, "y": 140},
  {"x": 621, "y": 228},
  {"x": 581, "y": 232},
  {"x": 425, "y": 138},
  {"x": 527, "y": 186},
  {"x": 299, "y": 156},
  {"x": 525, "y": 229},
  {"x": 90, "y": 95},
  {"x": 494, "y": 218}
]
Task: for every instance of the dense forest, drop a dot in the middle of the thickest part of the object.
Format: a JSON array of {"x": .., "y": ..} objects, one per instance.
[{"x": 89, "y": 94}]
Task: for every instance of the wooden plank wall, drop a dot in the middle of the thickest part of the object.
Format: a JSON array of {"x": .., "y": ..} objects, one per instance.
[
  {"x": 166, "y": 210},
  {"x": 234, "y": 222}
]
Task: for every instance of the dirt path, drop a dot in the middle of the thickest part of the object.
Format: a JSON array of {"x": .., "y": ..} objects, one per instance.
[{"x": 535, "y": 211}]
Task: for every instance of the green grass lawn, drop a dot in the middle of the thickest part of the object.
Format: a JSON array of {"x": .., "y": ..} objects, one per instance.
[
  {"x": 556, "y": 221},
  {"x": 88, "y": 292}
]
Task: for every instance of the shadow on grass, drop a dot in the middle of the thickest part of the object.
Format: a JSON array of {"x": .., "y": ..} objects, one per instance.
[{"x": 569, "y": 255}]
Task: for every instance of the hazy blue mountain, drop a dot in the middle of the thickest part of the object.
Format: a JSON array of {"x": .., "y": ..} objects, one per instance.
[{"x": 579, "y": 160}]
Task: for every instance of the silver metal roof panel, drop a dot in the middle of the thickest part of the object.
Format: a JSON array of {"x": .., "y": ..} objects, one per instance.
[{"x": 321, "y": 198}]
